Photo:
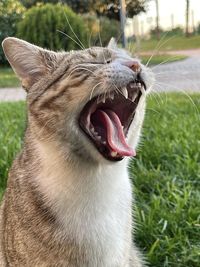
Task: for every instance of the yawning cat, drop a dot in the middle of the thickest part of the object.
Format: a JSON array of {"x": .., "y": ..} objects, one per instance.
[{"x": 68, "y": 200}]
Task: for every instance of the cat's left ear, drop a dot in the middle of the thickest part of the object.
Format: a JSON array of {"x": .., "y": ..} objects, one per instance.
[
  {"x": 29, "y": 62},
  {"x": 112, "y": 43}
]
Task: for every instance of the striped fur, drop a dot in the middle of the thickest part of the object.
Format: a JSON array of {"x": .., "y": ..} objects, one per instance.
[{"x": 64, "y": 204}]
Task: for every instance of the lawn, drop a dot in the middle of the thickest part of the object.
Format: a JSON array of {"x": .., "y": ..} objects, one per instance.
[
  {"x": 160, "y": 59},
  {"x": 8, "y": 78},
  {"x": 166, "y": 174},
  {"x": 171, "y": 43}
]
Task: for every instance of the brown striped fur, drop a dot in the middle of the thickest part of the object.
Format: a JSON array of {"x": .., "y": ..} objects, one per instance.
[{"x": 58, "y": 85}]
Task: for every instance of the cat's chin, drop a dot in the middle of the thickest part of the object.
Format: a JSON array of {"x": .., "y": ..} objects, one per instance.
[{"x": 106, "y": 119}]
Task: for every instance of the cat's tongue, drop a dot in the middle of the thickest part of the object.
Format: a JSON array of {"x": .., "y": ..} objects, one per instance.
[{"x": 114, "y": 133}]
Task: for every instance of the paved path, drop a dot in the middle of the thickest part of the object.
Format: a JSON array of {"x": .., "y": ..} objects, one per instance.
[
  {"x": 12, "y": 94},
  {"x": 176, "y": 76},
  {"x": 181, "y": 75}
]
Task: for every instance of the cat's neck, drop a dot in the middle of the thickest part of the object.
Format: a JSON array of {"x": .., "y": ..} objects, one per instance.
[{"x": 59, "y": 173}]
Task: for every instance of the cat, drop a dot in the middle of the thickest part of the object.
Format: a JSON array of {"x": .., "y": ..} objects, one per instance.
[{"x": 68, "y": 200}]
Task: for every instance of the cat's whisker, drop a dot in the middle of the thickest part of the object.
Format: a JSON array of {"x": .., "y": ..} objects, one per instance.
[
  {"x": 73, "y": 31},
  {"x": 92, "y": 91},
  {"x": 185, "y": 93},
  {"x": 99, "y": 33},
  {"x": 90, "y": 37},
  {"x": 83, "y": 68},
  {"x": 165, "y": 61},
  {"x": 158, "y": 46},
  {"x": 71, "y": 38},
  {"x": 157, "y": 97},
  {"x": 153, "y": 110}
]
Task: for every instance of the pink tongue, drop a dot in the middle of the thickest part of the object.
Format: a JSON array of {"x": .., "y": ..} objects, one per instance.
[{"x": 114, "y": 133}]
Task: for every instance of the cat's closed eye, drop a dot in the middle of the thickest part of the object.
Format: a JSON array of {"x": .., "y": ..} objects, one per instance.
[{"x": 105, "y": 61}]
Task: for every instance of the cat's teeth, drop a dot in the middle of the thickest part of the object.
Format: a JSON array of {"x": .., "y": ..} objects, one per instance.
[
  {"x": 104, "y": 142},
  {"x": 93, "y": 131},
  {"x": 98, "y": 137},
  {"x": 98, "y": 100},
  {"x": 113, "y": 154},
  {"x": 134, "y": 97},
  {"x": 132, "y": 85},
  {"x": 112, "y": 96},
  {"x": 101, "y": 98},
  {"x": 125, "y": 92}
]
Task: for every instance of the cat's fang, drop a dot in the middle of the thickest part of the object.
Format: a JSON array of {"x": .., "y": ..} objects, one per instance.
[
  {"x": 134, "y": 96},
  {"x": 113, "y": 154},
  {"x": 125, "y": 92},
  {"x": 112, "y": 95}
]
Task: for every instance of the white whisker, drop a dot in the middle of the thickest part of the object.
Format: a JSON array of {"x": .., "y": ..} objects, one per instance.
[
  {"x": 71, "y": 38},
  {"x": 74, "y": 32},
  {"x": 92, "y": 91}
]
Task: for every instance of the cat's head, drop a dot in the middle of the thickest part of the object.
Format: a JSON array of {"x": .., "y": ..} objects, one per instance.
[{"x": 90, "y": 102}]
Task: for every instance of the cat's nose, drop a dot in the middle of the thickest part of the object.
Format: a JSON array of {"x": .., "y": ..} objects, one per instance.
[{"x": 133, "y": 65}]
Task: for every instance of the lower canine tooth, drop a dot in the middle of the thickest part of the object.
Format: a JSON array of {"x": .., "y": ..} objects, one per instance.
[
  {"x": 134, "y": 97},
  {"x": 112, "y": 96},
  {"x": 125, "y": 92},
  {"x": 113, "y": 154}
]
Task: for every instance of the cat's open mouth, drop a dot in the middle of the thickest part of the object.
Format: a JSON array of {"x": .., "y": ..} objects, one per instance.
[{"x": 106, "y": 120}]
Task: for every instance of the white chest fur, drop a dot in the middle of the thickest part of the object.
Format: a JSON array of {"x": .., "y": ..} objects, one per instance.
[{"x": 93, "y": 206}]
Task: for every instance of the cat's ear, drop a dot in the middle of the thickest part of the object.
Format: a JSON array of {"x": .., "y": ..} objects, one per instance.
[
  {"x": 29, "y": 62},
  {"x": 112, "y": 43}
]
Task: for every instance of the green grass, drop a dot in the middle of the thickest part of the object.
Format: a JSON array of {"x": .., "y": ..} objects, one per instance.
[
  {"x": 166, "y": 174},
  {"x": 8, "y": 78},
  {"x": 172, "y": 43},
  {"x": 12, "y": 124},
  {"x": 167, "y": 180},
  {"x": 161, "y": 58}
]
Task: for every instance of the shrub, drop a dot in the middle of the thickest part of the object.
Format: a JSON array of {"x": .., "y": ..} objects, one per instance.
[
  {"x": 101, "y": 29},
  {"x": 109, "y": 28},
  {"x": 42, "y": 23},
  {"x": 11, "y": 12}
]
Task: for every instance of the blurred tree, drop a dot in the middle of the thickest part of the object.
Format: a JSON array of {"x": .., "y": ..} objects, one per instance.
[
  {"x": 154, "y": 32},
  {"x": 109, "y": 8},
  {"x": 42, "y": 23},
  {"x": 30, "y": 3},
  {"x": 101, "y": 29},
  {"x": 11, "y": 12}
]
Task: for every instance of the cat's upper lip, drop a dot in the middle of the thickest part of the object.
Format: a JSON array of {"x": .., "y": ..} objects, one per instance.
[{"x": 106, "y": 119}]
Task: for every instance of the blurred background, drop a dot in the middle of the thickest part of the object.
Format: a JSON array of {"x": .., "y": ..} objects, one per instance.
[
  {"x": 165, "y": 35},
  {"x": 142, "y": 26}
]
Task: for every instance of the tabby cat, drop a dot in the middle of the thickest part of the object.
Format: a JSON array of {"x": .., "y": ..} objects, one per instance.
[{"x": 68, "y": 200}]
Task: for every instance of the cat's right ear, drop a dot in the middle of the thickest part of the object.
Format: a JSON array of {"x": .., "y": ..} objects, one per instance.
[
  {"x": 29, "y": 62},
  {"x": 112, "y": 43}
]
